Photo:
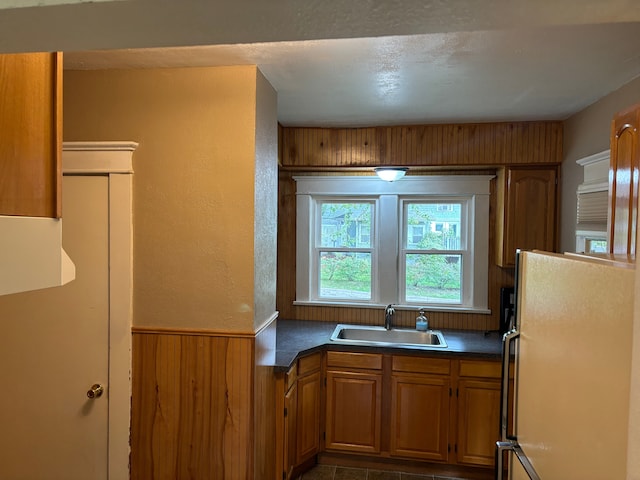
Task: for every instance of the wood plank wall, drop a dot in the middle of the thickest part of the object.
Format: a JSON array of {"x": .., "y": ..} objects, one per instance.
[
  {"x": 429, "y": 149},
  {"x": 192, "y": 407},
  {"x": 423, "y": 145}
]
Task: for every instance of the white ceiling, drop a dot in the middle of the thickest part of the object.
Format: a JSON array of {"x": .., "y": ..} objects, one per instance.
[{"x": 336, "y": 63}]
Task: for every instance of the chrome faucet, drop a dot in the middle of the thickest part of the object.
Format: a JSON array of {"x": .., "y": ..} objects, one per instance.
[{"x": 388, "y": 316}]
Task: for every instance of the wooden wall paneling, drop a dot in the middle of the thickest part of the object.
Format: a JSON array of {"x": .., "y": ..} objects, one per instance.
[
  {"x": 425, "y": 145},
  {"x": 191, "y": 407},
  {"x": 437, "y": 148},
  {"x": 264, "y": 406}
]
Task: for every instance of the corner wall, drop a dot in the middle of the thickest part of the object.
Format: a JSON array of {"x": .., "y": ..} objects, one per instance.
[
  {"x": 586, "y": 133},
  {"x": 265, "y": 202}
]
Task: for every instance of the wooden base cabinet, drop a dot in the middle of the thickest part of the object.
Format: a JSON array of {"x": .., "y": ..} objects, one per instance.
[
  {"x": 404, "y": 407},
  {"x": 420, "y": 417},
  {"x": 354, "y": 402},
  {"x": 290, "y": 429},
  {"x": 298, "y": 439},
  {"x": 478, "y": 416},
  {"x": 439, "y": 410},
  {"x": 308, "y": 408},
  {"x": 478, "y": 421},
  {"x": 420, "y": 408}
]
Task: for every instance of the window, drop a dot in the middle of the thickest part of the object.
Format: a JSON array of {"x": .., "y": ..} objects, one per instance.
[
  {"x": 365, "y": 242},
  {"x": 344, "y": 250},
  {"x": 432, "y": 268}
]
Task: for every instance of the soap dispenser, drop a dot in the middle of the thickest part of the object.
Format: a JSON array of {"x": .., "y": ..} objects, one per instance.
[{"x": 422, "y": 324}]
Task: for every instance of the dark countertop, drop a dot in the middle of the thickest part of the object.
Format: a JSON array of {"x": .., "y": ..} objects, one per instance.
[{"x": 300, "y": 337}]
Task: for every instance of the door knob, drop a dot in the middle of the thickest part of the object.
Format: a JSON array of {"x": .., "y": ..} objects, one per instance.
[{"x": 95, "y": 391}]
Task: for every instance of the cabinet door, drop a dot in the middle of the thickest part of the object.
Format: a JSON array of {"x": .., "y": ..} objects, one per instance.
[
  {"x": 290, "y": 425},
  {"x": 623, "y": 181},
  {"x": 528, "y": 197},
  {"x": 353, "y": 411},
  {"x": 420, "y": 407},
  {"x": 478, "y": 421},
  {"x": 31, "y": 126},
  {"x": 308, "y": 417}
]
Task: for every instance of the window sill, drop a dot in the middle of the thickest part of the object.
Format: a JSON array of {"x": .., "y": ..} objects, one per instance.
[{"x": 428, "y": 308}]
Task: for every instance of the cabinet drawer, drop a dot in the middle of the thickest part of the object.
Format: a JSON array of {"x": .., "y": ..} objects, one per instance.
[
  {"x": 291, "y": 376},
  {"x": 439, "y": 366},
  {"x": 308, "y": 364},
  {"x": 370, "y": 361},
  {"x": 475, "y": 368}
]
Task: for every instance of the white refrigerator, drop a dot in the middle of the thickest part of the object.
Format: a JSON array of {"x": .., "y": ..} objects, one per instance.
[{"x": 571, "y": 343}]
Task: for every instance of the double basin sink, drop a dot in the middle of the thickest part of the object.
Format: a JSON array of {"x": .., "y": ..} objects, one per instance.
[{"x": 380, "y": 336}]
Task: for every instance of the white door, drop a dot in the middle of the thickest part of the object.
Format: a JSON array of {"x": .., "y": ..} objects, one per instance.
[{"x": 54, "y": 345}]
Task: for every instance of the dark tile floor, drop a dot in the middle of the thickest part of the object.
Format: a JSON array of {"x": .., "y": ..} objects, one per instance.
[{"x": 331, "y": 472}]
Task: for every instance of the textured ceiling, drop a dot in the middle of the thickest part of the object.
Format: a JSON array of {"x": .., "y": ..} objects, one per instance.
[{"x": 339, "y": 63}]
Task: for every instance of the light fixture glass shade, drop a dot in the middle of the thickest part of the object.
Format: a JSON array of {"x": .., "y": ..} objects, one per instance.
[{"x": 390, "y": 174}]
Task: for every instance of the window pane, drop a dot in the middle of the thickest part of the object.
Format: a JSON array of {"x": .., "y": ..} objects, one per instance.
[
  {"x": 346, "y": 225},
  {"x": 345, "y": 275},
  {"x": 595, "y": 246},
  {"x": 433, "y": 226},
  {"x": 433, "y": 278}
]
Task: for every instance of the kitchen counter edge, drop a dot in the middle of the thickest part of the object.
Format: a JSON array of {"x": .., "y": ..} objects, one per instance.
[{"x": 297, "y": 338}]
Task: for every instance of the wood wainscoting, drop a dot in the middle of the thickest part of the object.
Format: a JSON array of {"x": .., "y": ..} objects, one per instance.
[
  {"x": 193, "y": 401},
  {"x": 428, "y": 149}
]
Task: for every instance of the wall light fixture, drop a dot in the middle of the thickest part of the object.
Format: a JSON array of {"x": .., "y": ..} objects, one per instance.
[{"x": 390, "y": 174}]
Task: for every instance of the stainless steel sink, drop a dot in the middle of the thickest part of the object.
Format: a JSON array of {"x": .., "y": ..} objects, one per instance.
[{"x": 369, "y": 335}]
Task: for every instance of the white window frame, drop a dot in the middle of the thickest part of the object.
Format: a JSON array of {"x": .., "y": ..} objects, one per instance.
[{"x": 389, "y": 197}]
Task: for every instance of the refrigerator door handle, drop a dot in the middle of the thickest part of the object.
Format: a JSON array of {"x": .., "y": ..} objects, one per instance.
[
  {"x": 513, "y": 446},
  {"x": 504, "y": 395}
]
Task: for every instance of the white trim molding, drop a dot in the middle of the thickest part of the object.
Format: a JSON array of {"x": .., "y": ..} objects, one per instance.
[
  {"x": 411, "y": 185},
  {"x": 596, "y": 172},
  {"x": 97, "y": 157}
]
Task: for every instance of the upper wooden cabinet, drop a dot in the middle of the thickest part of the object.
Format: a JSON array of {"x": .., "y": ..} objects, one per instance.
[
  {"x": 31, "y": 132},
  {"x": 623, "y": 181},
  {"x": 526, "y": 215}
]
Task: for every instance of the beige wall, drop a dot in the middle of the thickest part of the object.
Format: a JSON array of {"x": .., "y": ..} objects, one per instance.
[
  {"x": 193, "y": 184},
  {"x": 266, "y": 201},
  {"x": 586, "y": 133}
]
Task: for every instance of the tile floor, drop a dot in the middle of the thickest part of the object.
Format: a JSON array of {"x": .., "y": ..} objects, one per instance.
[{"x": 331, "y": 472}]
